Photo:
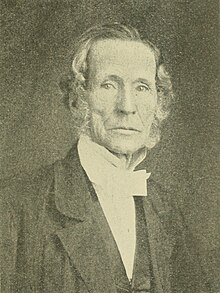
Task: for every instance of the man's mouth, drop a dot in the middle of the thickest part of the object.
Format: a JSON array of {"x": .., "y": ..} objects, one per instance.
[{"x": 125, "y": 130}]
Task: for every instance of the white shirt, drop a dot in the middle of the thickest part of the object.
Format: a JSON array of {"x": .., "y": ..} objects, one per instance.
[{"x": 115, "y": 183}]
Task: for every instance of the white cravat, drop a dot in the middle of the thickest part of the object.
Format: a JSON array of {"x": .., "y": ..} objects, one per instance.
[{"x": 115, "y": 186}]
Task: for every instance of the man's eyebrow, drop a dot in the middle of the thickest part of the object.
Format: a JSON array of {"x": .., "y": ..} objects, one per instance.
[
  {"x": 113, "y": 77},
  {"x": 143, "y": 80},
  {"x": 118, "y": 79}
]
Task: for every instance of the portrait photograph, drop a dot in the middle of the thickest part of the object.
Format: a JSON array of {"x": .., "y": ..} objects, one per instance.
[{"x": 109, "y": 146}]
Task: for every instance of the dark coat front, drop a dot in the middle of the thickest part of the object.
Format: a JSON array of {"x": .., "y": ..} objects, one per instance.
[{"x": 53, "y": 243}]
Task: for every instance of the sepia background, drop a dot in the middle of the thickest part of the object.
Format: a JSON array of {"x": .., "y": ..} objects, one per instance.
[{"x": 36, "y": 129}]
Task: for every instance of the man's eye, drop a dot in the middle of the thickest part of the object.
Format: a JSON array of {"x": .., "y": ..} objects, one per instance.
[
  {"x": 142, "y": 88},
  {"x": 108, "y": 86}
]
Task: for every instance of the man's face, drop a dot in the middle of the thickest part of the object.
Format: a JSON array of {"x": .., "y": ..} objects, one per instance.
[{"x": 121, "y": 94}]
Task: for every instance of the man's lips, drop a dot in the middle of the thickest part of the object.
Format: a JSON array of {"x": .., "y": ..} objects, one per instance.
[{"x": 124, "y": 130}]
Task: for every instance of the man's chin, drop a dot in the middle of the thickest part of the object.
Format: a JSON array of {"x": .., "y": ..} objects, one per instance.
[
  {"x": 123, "y": 148},
  {"x": 120, "y": 144}
]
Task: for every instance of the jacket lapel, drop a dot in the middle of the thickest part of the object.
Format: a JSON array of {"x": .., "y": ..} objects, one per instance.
[
  {"x": 81, "y": 237},
  {"x": 161, "y": 246}
]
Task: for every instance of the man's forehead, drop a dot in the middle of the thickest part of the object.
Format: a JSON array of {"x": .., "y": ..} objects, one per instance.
[{"x": 114, "y": 51}]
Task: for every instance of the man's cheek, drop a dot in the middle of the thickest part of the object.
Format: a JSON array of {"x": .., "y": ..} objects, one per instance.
[
  {"x": 102, "y": 108},
  {"x": 149, "y": 109},
  {"x": 146, "y": 113}
]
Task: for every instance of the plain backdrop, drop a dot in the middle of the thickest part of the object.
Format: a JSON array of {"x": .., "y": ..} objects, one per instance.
[{"x": 36, "y": 47}]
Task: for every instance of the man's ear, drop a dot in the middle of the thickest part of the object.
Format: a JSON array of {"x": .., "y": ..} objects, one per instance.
[
  {"x": 75, "y": 97},
  {"x": 72, "y": 105}
]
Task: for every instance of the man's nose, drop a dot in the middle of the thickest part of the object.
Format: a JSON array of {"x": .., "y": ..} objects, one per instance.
[{"x": 126, "y": 102}]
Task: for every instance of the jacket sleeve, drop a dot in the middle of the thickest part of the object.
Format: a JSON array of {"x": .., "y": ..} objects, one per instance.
[
  {"x": 188, "y": 275},
  {"x": 8, "y": 230}
]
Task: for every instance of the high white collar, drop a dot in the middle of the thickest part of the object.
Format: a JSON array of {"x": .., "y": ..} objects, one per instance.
[{"x": 110, "y": 171}]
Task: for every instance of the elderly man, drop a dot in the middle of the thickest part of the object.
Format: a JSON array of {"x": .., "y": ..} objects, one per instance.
[{"x": 94, "y": 221}]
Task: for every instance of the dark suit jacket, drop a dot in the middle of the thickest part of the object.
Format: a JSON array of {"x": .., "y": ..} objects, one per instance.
[{"x": 52, "y": 242}]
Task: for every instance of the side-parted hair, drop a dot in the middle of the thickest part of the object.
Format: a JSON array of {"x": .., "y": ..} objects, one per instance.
[{"x": 78, "y": 76}]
